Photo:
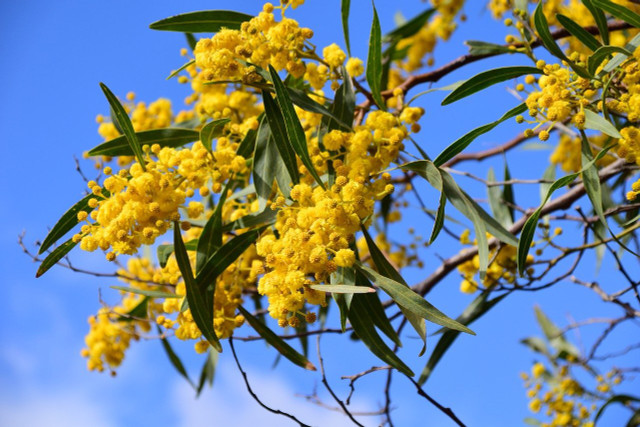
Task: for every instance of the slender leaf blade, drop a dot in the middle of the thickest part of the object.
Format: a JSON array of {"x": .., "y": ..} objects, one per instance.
[
  {"x": 167, "y": 137},
  {"x": 486, "y": 79},
  {"x": 374, "y": 61},
  {"x": 206, "y": 21}
]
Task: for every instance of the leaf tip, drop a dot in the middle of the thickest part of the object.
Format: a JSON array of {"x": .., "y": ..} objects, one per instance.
[{"x": 310, "y": 366}]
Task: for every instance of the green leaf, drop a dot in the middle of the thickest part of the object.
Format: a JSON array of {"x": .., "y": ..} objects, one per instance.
[
  {"x": 597, "y": 122},
  {"x": 466, "y": 206},
  {"x": 183, "y": 67},
  {"x": 548, "y": 175},
  {"x": 531, "y": 421},
  {"x": 210, "y": 239},
  {"x": 459, "y": 198},
  {"x": 173, "y": 357},
  {"x": 601, "y": 20},
  {"x": 372, "y": 304},
  {"x": 343, "y": 289},
  {"x": 344, "y": 103},
  {"x": 480, "y": 48},
  {"x": 345, "y": 5},
  {"x": 387, "y": 270},
  {"x": 542, "y": 27},
  {"x": 56, "y": 255},
  {"x": 374, "y": 61},
  {"x": 407, "y": 298},
  {"x": 439, "y": 220},
  {"x": 619, "y": 11},
  {"x": 206, "y": 21},
  {"x": 68, "y": 221},
  {"x": 146, "y": 292},
  {"x": 224, "y": 257},
  {"x": 304, "y": 101},
  {"x": 283, "y": 348},
  {"x": 554, "y": 335},
  {"x": 460, "y": 144},
  {"x": 279, "y": 132},
  {"x": 208, "y": 371},
  {"x": 295, "y": 133},
  {"x": 474, "y": 311},
  {"x": 191, "y": 41},
  {"x": 346, "y": 276},
  {"x": 195, "y": 297},
  {"x": 496, "y": 201},
  {"x": 266, "y": 217},
  {"x": 165, "y": 251},
  {"x": 537, "y": 345},
  {"x": 167, "y": 137},
  {"x": 265, "y": 165},
  {"x": 212, "y": 130},
  {"x": 363, "y": 327},
  {"x": 246, "y": 147},
  {"x": 486, "y": 79},
  {"x": 620, "y": 58},
  {"x": 603, "y": 53},
  {"x": 507, "y": 191},
  {"x": 120, "y": 116},
  {"x": 137, "y": 312},
  {"x": 578, "y": 32},
  {"x": 591, "y": 180},
  {"x": 410, "y": 27}
]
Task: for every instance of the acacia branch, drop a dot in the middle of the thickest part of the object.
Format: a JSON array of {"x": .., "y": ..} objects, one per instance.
[
  {"x": 255, "y": 396},
  {"x": 562, "y": 202}
]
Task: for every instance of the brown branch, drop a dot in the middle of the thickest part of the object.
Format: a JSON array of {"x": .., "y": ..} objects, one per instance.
[
  {"x": 447, "y": 411},
  {"x": 330, "y": 390},
  {"x": 354, "y": 378},
  {"x": 255, "y": 397},
  {"x": 435, "y": 75},
  {"x": 562, "y": 202}
]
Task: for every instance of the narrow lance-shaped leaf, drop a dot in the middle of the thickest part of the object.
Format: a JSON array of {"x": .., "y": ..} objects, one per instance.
[
  {"x": 619, "y": 11},
  {"x": 621, "y": 57},
  {"x": 344, "y": 103},
  {"x": 473, "y": 312},
  {"x": 591, "y": 180},
  {"x": 460, "y": 144},
  {"x": 195, "y": 298},
  {"x": 486, "y": 79},
  {"x": 208, "y": 371},
  {"x": 68, "y": 221},
  {"x": 173, "y": 357},
  {"x": 407, "y": 298},
  {"x": 264, "y": 165},
  {"x": 477, "y": 48},
  {"x": 529, "y": 228},
  {"x": 365, "y": 330},
  {"x": 212, "y": 130},
  {"x": 372, "y": 304},
  {"x": 343, "y": 289},
  {"x": 224, "y": 256},
  {"x": 603, "y": 53},
  {"x": 386, "y": 269},
  {"x": 374, "y": 61},
  {"x": 122, "y": 118},
  {"x": 283, "y": 348},
  {"x": 206, "y": 21},
  {"x": 597, "y": 122},
  {"x": 164, "y": 251},
  {"x": 56, "y": 255},
  {"x": 623, "y": 399},
  {"x": 277, "y": 126},
  {"x": 345, "y": 5},
  {"x": 507, "y": 191},
  {"x": 167, "y": 137},
  {"x": 578, "y": 32},
  {"x": 183, "y": 67},
  {"x": 497, "y": 202},
  {"x": 211, "y": 237},
  {"x": 343, "y": 276},
  {"x": 146, "y": 292},
  {"x": 410, "y": 27},
  {"x": 601, "y": 20},
  {"x": 294, "y": 130}
]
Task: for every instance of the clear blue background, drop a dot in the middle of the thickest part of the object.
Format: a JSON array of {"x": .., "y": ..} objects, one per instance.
[{"x": 54, "y": 54}]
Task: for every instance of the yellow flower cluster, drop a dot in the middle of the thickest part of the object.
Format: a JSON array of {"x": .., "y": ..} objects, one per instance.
[
  {"x": 260, "y": 41},
  {"x": 111, "y": 333},
  {"x": 635, "y": 191},
  {"x": 629, "y": 103},
  {"x": 629, "y": 144},
  {"x": 503, "y": 267},
  {"x": 562, "y": 96},
  {"x": 563, "y": 399},
  {"x": 143, "y": 202},
  {"x": 315, "y": 232},
  {"x": 568, "y": 152},
  {"x": 424, "y": 41}
]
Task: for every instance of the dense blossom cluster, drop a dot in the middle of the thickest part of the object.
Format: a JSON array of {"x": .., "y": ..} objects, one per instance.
[{"x": 562, "y": 399}]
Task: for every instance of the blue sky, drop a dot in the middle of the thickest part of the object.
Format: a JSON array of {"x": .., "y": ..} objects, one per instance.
[{"x": 55, "y": 55}]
